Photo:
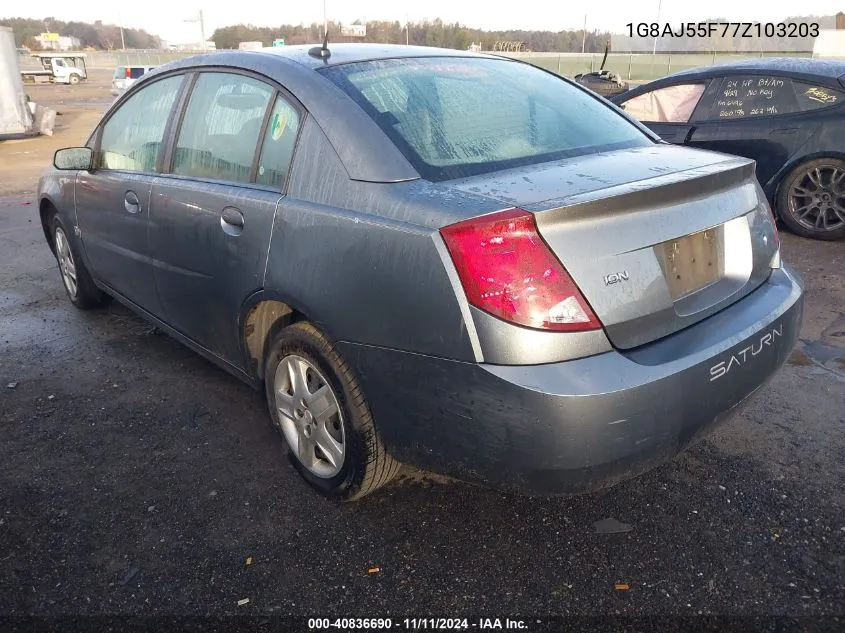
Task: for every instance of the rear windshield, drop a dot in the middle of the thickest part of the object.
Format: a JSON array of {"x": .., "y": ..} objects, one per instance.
[
  {"x": 454, "y": 117},
  {"x": 120, "y": 72},
  {"x": 137, "y": 71}
]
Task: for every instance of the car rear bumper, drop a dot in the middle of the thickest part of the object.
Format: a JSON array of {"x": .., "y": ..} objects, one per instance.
[{"x": 573, "y": 426}]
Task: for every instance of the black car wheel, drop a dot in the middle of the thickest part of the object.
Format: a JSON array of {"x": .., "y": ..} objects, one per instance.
[
  {"x": 811, "y": 199},
  {"x": 317, "y": 405}
]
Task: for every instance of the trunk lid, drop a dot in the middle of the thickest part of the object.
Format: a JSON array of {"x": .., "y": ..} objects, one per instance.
[{"x": 656, "y": 239}]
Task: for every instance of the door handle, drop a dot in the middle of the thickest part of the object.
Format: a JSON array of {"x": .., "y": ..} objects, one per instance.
[
  {"x": 131, "y": 202},
  {"x": 232, "y": 221}
]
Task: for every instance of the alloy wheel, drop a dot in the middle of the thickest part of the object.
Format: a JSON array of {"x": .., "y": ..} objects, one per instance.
[
  {"x": 310, "y": 417},
  {"x": 66, "y": 263},
  {"x": 817, "y": 199}
]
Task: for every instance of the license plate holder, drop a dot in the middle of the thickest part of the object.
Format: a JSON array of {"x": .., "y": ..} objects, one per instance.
[{"x": 692, "y": 262}]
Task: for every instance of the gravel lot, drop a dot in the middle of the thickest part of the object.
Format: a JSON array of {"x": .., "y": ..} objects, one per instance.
[{"x": 138, "y": 478}]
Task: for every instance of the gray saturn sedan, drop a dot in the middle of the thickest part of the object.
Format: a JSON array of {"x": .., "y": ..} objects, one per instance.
[{"x": 432, "y": 257}]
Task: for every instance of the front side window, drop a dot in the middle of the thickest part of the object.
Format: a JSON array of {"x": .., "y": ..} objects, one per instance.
[
  {"x": 456, "y": 117},
  {"x": 221, "y": 127},
  {"x": 813, "y": 97},
  {"x": 132, "y": 136},
  {"x": 672, "y": 104}
]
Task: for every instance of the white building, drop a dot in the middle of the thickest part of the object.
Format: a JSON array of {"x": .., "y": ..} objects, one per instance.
[
  {"x": 56, "y": 42},
  {"x": 831, "y": 42}
]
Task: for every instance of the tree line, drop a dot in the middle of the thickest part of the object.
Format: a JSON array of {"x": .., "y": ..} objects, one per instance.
[
  {"x": 428, "y": 33},
  {"x": 96, "y": 35}
]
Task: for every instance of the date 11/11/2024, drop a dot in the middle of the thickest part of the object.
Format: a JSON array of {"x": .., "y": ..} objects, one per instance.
[{"x": 416, "y": 624}]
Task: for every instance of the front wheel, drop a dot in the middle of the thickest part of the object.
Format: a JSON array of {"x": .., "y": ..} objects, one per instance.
[
  {"x": 811, "y": 199},
  {"x": 317, "y": 405},
  {"x": 80, "y": 288},
  {"x": 73, "y": 79}
]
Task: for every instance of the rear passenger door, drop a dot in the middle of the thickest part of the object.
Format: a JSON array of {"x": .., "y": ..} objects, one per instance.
[{"x": 212, "y": 214}]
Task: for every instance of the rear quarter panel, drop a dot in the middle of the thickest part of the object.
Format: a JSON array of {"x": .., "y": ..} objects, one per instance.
[{"x": 361, "y": 259}]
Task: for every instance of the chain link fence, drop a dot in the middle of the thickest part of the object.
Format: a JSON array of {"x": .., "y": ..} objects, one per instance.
[{"x": 630, "y": 66}]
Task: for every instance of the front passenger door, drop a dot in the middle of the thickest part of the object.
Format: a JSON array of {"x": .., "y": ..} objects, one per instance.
[{"x": 112, "y": 199}]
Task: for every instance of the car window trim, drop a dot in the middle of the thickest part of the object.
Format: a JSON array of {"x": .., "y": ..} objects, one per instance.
[
  {"x": 174, "y": 125},
  {"x": 98, "y": 132}
]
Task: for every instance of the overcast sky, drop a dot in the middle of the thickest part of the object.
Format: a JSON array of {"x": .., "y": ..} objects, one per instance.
[{"x": 163, "y": 18}]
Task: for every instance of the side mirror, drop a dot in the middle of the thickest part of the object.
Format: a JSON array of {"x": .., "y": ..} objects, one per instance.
[{"x": 73, "y": 158}]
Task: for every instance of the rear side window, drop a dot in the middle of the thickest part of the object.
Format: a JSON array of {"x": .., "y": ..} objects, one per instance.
[
  {"x": 222, "y": 124},
  {"x": 278, "y": 144},
  {"x": 813, "y": 97},
  {"x": 120, "y": 72},
  {"x": 753, "y": 96},
  {"x": 455, "y": 117},
  {"x": 131, "y": 138},
  {"x": 672, "y": 104}
]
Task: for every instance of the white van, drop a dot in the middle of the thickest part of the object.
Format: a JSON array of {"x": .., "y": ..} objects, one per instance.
[{"x": 125, "y": 76}]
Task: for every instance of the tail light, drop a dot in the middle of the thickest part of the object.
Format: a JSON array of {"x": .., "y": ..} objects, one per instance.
[
  {"x": 773, "y": 220},
  {"x": 775, "y": 262},
  {"x": 128, "y": 73},
  {"x": 507, "y": 269}
]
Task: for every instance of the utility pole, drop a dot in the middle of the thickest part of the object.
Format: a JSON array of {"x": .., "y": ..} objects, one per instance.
[
  {"x": 325, "y": 20},
  {"x": 659, "y": 4},
  {"x": 584, "y": 37},
  {"x": 122, "y": 41},
  {"x": 199, "y": 19},
  {"x": 407, "y": 30}
]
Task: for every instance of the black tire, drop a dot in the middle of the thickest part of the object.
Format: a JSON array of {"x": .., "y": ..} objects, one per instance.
[
  {"x": 86, "y": 296},
  {"x": 73, "y": 79},
  {"x": 366, "y": 464},
  {"x": 786, "y": 203}
]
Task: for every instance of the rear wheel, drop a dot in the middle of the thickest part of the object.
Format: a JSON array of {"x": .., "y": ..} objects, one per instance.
[
  {"x": 79, "y": 286},
  {"x": 811, "y": 199},
  {"x": 317, "y": 405}
]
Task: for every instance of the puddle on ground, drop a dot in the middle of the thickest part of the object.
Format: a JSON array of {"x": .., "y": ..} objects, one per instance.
[{"x": 828, "y": 351}]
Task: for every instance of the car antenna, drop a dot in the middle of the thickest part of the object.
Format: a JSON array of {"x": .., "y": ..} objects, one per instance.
[
  {"x": 606, "y": 51},
  {"x": 322, "y": 52}
]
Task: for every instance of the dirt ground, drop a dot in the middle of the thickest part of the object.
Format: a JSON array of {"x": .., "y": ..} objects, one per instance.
[
  {"x": 137, "y": 478},
  {"x": 78, "y": 110}
]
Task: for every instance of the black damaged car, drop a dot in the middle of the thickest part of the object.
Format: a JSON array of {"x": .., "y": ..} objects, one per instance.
[{"x": 785, "y": 113}]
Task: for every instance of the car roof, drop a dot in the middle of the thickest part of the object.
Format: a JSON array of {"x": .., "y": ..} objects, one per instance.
[
  {"x": 351, "y": 53},
  {"x": 829, "y": 68},
  {"x": 365, "y": 151}
]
